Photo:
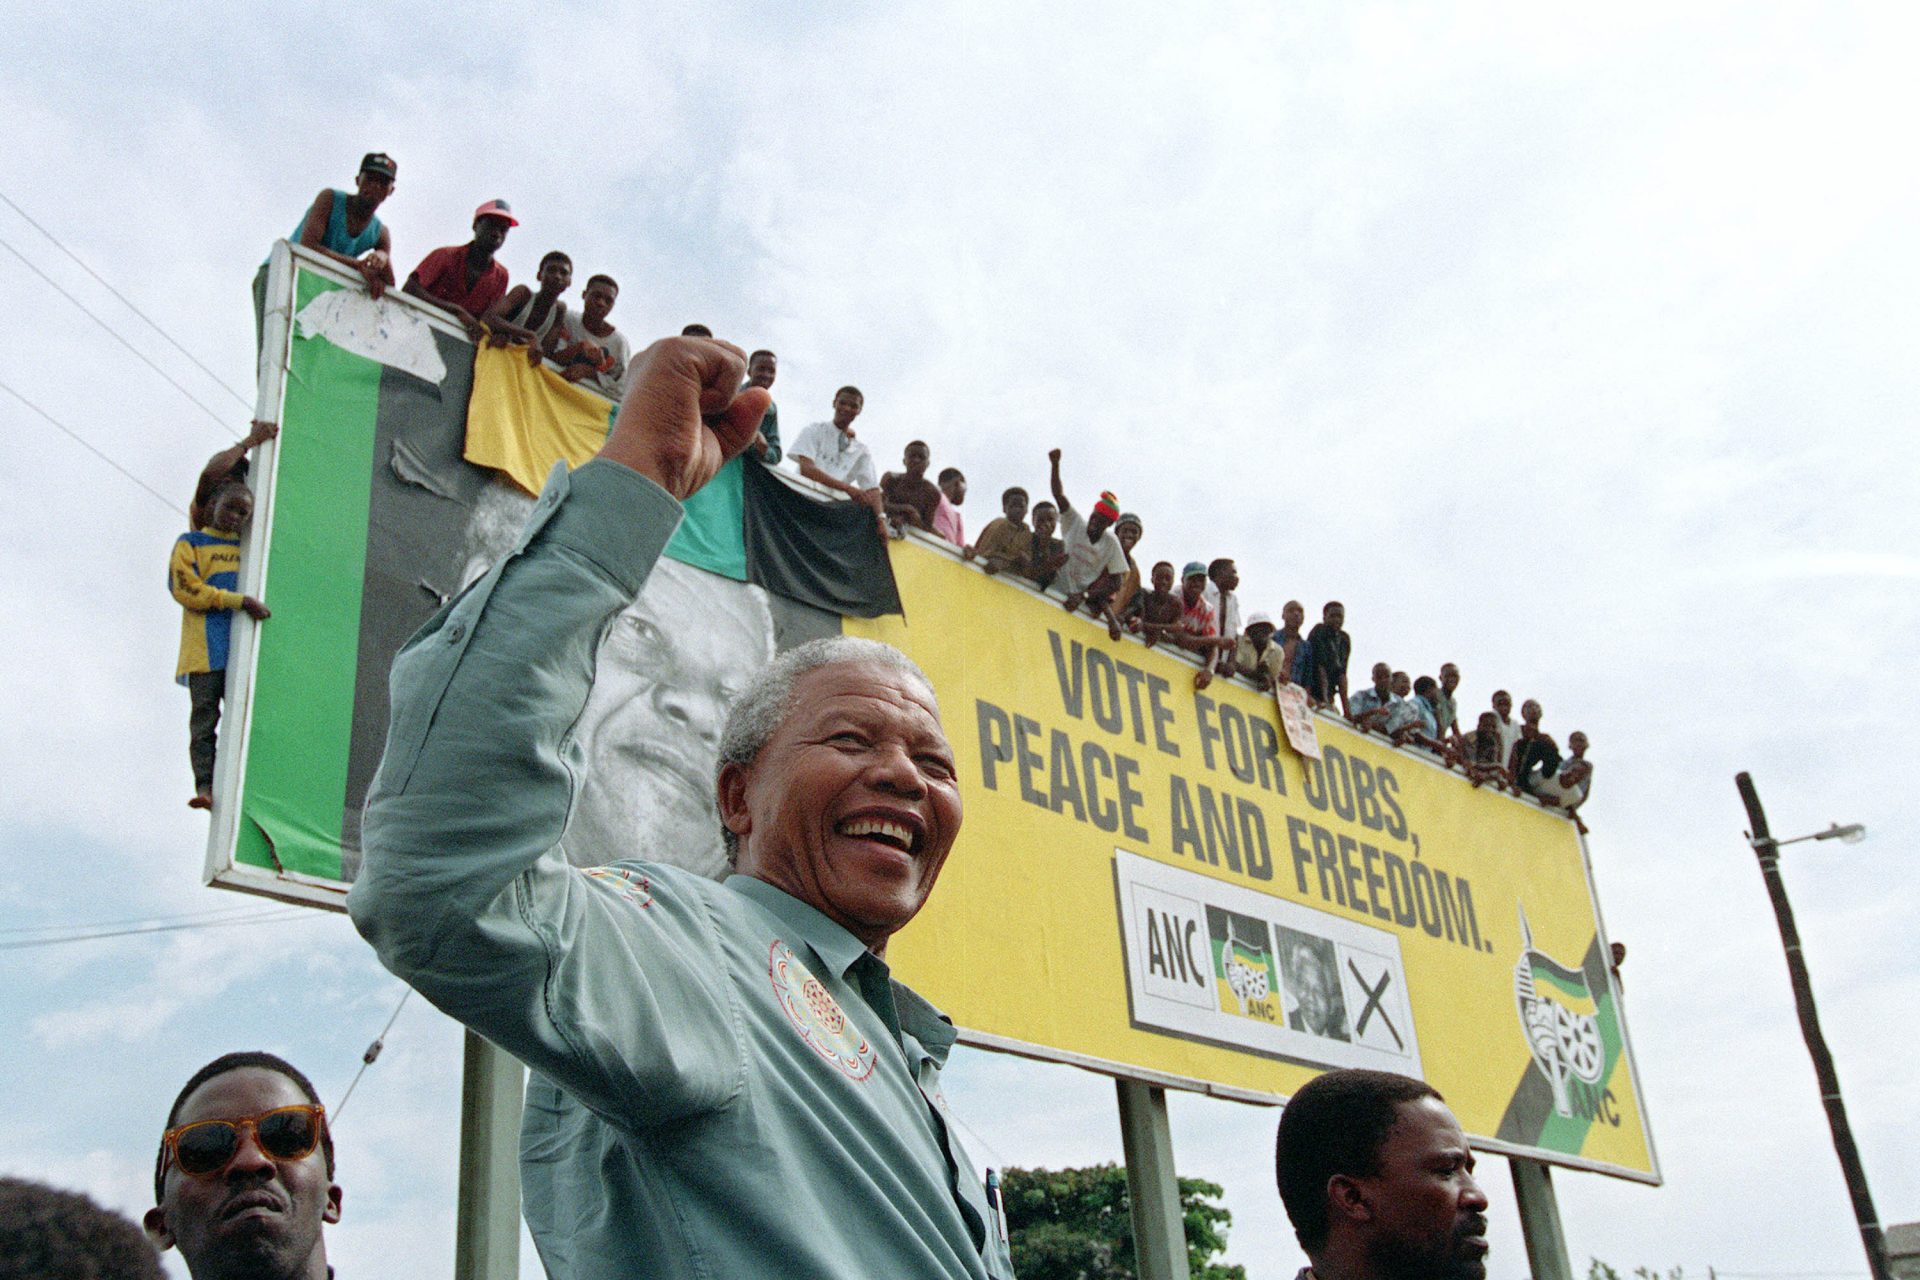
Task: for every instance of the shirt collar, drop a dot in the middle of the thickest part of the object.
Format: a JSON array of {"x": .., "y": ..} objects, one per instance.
[
  {"x": 836, "y": 947},
  {"x": 839, "y": 950}
]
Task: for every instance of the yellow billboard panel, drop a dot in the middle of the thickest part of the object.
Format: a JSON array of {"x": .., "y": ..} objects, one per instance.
[{"x": 1151, "y": 882}]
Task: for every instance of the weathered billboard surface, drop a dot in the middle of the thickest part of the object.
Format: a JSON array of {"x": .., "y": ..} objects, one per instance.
[{"x": 1150, "y": 881}]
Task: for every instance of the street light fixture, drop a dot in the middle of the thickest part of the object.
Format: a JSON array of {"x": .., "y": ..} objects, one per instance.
[{"x": 1768, "y": 851}]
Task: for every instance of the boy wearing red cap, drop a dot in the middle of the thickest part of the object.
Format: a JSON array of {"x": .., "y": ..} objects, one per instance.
[
  {"x": 1096, "y": 563},
  {"x": 464, "y": 278}
]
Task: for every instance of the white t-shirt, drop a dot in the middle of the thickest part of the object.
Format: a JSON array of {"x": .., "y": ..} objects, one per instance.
[
  {"x": 1229, "y": 625},
  {"x": 1086, "y": 560},
  {"x": 836, "y": 453}
]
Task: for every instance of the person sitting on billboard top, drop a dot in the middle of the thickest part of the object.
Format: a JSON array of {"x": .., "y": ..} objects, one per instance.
[
  {"x": 1568, "y": 789},
  {"x": 1481, "y": 754},
  {"x": 243, "y": 1184},
  {"x": 728, "y": 1081},
  {"x": 466, "y": 279},
  {"x": 345, "y": 228},
  {"x": 1377, "y": 1179},
  {"x": 1046, "y": 553},
  {"x": 946, "y": 516},
  {"x": 533, "y": 316},
  {"x": 1223, "y": 585},
  {"x": 763, "y": 367},
  {"x": 1127, "y": 529},
  {"x": 1329, "y": 648},
  {"x": 1535, "y": 754},
  {"x": 204, "y": 576},
  {"x": 1006, "y": 542},
  {"x": 1155, "y": 613},
  {"x": 1414, "y": 722},
  {"x": 1257, "y": 657},
  {"x": 1445, "y": 709},
  {"x": 1095, "y": 562},
  {"x": 1371, "y": 707},
  {"x": 910, "y": 497},
  {"x": 1198, "y": 630},
  {"x": 588, "y": 348}
]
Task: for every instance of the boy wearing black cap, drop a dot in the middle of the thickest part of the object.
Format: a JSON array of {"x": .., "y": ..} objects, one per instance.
[{"x": 345, "y": 228}]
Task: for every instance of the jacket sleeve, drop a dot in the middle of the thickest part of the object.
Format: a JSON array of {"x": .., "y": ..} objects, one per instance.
[
  {"x": 190, "y": 589},
  {"x": 610, "y": 984}
]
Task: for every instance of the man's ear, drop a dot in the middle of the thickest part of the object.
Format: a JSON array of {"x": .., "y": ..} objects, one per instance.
[
  {"x": 332, "y": 1212},
  {"x": 731, "y": 796},
  {"x": 1347, "y": 1200},
  {"x": 155, "y": 1221}
]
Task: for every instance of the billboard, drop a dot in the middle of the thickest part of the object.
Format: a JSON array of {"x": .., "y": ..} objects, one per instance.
[{"x": 1152, "y": 880}]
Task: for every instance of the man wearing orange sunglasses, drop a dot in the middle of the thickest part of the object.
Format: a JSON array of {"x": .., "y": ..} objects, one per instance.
[{"x": 244, "y": 1179}]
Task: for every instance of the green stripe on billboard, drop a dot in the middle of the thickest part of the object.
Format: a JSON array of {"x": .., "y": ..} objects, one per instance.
[{"x": 302, "y": 715}]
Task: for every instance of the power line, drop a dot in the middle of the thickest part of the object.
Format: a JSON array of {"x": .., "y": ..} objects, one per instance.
[
  {"x": 117, "y": 336},
  {"x": 216, "y": 913},
  {"x": 93, "y": 449},
  {"x": 260, "y": 918},
  {"x": 373, "y": 1052},
  {"x": 127, "y": 302}
]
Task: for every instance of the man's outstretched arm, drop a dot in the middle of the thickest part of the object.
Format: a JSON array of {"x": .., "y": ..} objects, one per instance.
[{"x": 464, "y": 891}]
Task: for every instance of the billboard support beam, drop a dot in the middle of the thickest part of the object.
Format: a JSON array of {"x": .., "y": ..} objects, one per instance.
[
  {"x": 1159, "y": 1228},
  {"x": 487, "y": 1235},
  {"x": 1540, "y": 1220}
]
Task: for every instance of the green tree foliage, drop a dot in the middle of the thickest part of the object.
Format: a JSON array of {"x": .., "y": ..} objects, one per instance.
[
  {"x": 1077, "y": 1224},
  {"x": 1598, "y": 1270}
]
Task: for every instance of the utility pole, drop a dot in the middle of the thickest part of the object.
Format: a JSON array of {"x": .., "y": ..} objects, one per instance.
[{"x": 1767, "y": 849}]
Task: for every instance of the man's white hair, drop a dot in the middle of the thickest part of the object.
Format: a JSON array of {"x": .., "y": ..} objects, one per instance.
[{"x": 757, "y": 713}]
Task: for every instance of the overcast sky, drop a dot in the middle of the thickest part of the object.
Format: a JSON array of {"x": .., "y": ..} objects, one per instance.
[{"x": 1575, "y": 347}]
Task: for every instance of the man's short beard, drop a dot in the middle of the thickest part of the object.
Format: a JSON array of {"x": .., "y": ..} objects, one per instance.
[{"x": 1396, "y": 1259}]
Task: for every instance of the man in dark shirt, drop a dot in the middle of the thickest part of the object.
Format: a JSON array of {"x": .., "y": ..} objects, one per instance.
[
  {"x": 1330, "y": 647},
  {"x": 1155, "y": 614},
  {"x": 911, "y": 498},
  {"x": 464, "y": 278},
  {"x": 762, "y": 367},
  {"x": 1047, "y": 553},
  {"x": 1535, "y": 755}
]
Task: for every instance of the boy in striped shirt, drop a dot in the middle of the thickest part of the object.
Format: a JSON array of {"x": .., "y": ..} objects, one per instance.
[{"x": 204, "y": 577}]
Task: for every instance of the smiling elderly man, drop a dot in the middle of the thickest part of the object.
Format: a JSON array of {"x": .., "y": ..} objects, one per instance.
[{"x": 727, "y": 1080}]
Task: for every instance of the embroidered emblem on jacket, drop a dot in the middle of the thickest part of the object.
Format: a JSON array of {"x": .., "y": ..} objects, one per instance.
[{"x": 816, "y": 1015}]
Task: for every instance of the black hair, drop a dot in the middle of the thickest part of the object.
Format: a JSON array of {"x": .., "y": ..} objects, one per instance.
[
  {"x": 1214, "y": 567},
  {"x": 1010, "y": 492},
  {"x": 922, "y": 443},
  {"x": 951, "y": 473},
  {"x": 1336, "y": 1124},
  {"x": 856, "y": 391},
  {"x": 1048, "y": 505},
  {"x": 695, "y": 330},
  {"x": 762, "y": 352},
  {"x": 603, "y": 279},
  {"x": 1425, "y": 684},
  {"x": 234, "y": 1062},
  {"x": 552, "y": 254},
  {"x": 50, "y": 1234}
]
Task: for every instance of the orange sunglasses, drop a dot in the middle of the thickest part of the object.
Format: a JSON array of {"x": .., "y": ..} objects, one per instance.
[{"x": 205, "y": 1148}]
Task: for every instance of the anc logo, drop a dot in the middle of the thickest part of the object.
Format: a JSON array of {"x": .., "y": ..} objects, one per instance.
[
  {"x": 816, "y": 1015},
  {"x": 1243, "y": 968},
  {"x": 1561, "y": 1019}
]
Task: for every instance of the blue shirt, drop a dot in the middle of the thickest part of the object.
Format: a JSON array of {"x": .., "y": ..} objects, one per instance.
[
  {"x": 727, "y": 1083},
  {"x": 1370, "y": 700}
]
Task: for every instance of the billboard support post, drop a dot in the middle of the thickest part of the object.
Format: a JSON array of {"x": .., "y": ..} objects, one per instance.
[
  {"x": 1540, "y": 1220},
  {"x": 1159, "y": 1228},
  {"x": 487, "y": 1233}
]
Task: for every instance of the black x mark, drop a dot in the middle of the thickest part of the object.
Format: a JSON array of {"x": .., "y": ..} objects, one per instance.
[{"x": 1373, "y": 1004}]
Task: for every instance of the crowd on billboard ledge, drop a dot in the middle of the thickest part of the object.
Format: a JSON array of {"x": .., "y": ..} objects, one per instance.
[{"x": 1086, "y": 561}]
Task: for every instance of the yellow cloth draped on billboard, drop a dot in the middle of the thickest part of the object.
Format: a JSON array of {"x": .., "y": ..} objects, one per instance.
[{"x": 521, "y": 420}]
